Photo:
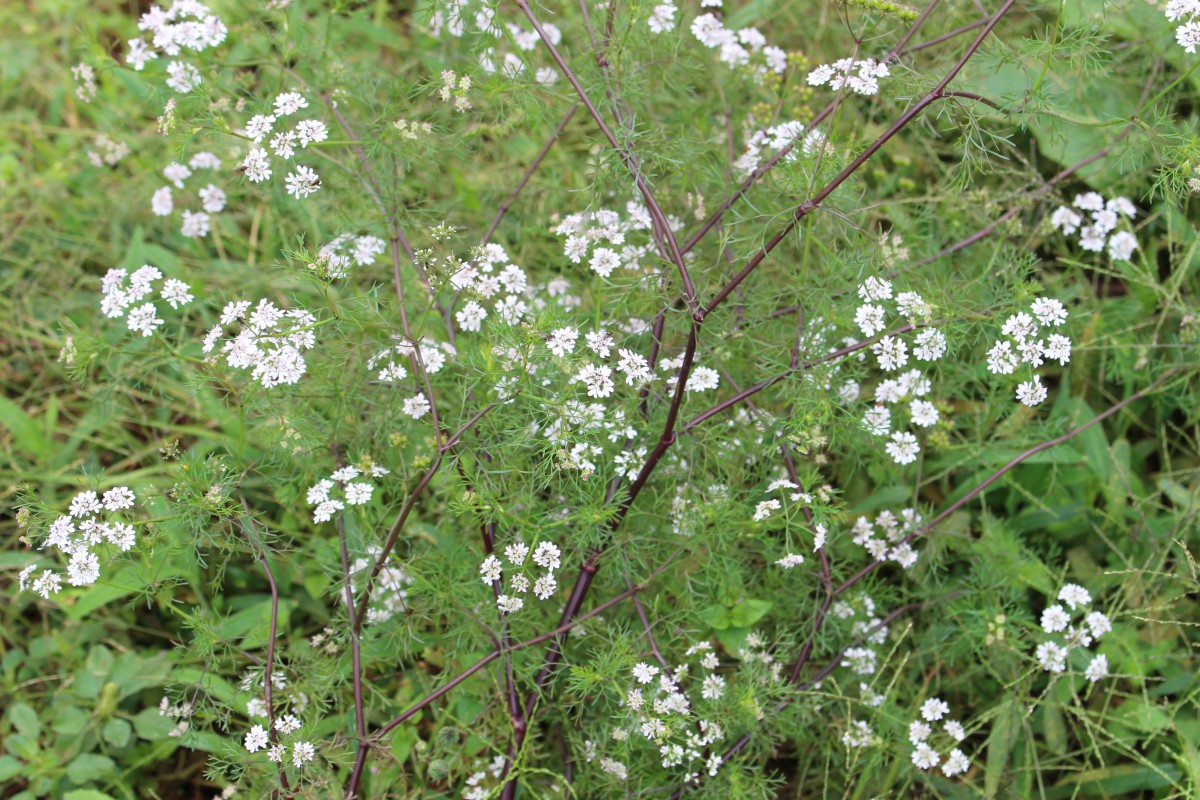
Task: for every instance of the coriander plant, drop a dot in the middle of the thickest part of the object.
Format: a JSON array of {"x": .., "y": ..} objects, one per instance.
[{"x": 496, "y": 400}]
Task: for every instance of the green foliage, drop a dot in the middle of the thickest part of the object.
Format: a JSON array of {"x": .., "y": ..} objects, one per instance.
[{"x": 145, "y": 682}]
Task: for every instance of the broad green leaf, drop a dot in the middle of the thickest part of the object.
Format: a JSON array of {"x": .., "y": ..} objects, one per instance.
[
  {"x": 117, "y": 732},
  {"x": 89, "y": 767},
  {"x": 25, "y": 720},
  {"x": 1005, "y": 727}
]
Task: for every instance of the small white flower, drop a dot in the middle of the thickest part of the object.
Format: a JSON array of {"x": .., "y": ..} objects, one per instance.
[
  {"x": 713, "y": 687},
  {"x": 302, "y": 753},
  {"x": 416, "y": 406},
  {"x": 598, "y": 380},
  {"x": 934, "y": 709},
  {"x": 604, "y": 261},
  {"x": 1032, "y": 393},
  {"x": 1048, "y": 311},
  {"x": 1001, "y": 359},
  {"x": 562, "y": 341},
  {"x": 302, "y": 182},
  {"x": 662, "y": 18},
  {"x": 256, "y": 739},
  {"x": 289, "y": 103},
  {"x": 1074, "y": 595},
  {"x": 1055, "y": 619},
  {"x": 903, "y": 447},
  {"x": 257, "y": 129},
  {"x": 118, "y": 498},
  {"x": 516, "y": 553},
  {"x": 358, "y": 493},
  {"x": 956, "y": 763},
  {"x": 161, "y": 203},
  {"x": 869, "y": 319},
  {"x": 925, "y": 757},
  {"x": 763, "y": 510},
  {"x": 930, "y": 345},
  {"x": 490, "y": 570},
  {"x": 1097, "y": 623},
  {"x": 547, "y": 556},
  {"x": 924, "y": 413},
  {"x": 1051, "y": 657},
  {"x": 545, "y": 586},
  {"x": 1097, "y": 669},
  {"x": 310, "y": 130},
  {"x": 176, "y": 293},
  {"x": 878, "y": 421},
  {"x": 644, "y": 673},
  {"x": 875, "y": 289},
  {"x": 790, "y": 560},
  {"x": 287, "y": 724},
  {"x": 702, "y": 379},
  {"x": 212, "y": 199},
  {"x": 599, "y": 342}
]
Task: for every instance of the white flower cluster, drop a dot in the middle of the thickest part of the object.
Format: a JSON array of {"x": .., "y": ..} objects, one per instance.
[
  {"x": 1102, "y": 231},
  {"x": 746, "y": 47},
  {"x": 890, "y": 546},
  {"x": 664, "y": 714},
  {"x": 186, "y": 25},
  {"x": 270, "y": 341},
  {"x": 511, "y": 65},
  {"x": 258, "y": 739},
  {"x": 891, "y": 352},
  {"x": 477, "y": 782},
  {"x": 546, "y": 555},
  {"x": 85, "y": 76},
  {"x": 774, "y": 139},
  {"x": 181, "y": 713},
  {"x": 334, "y": 258},
  {"x": 1052, "y": 655},
  {"x": 454, "y": 89},
  {"x": 662, "y": 17},
  {"x": 858, "y": 735},
  {"x": 118, "y": 297},
  {"x": 389, "y": 595},
  {"x": 1023, "y": 347},
  {"x": 588, "y": 236},
  {"x": 489, "y": 277},
  {"x": 1187, "y": 34},
  {"x": 211, "y": 197},
  {"x": 861, "y": 660},
  {"x": 90, "y": 522},
  {"x": 860, "y": 77},
  {"x": 107, "y": 152},
  {"x": 257, "y": 165},
  {"x": 920, "y": 732},
  {"x": 452, "y": 19},
  {"x": 433, "y": 356},
  {"x": 345, "y": 481}
]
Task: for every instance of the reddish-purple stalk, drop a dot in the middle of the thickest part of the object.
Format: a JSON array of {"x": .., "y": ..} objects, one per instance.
[
  {"x": 814, "y": 202},
  {"x": 782, "y": 153},
  {"x": 399, "y": 242},
  {"x": 537, "y": 162},
  {"x": 1002, "y": 471},
  {"x": 562, "y": 629},
  {"x": 661, "y": 225},
  {"x": 360, "y": 722},
  {"x": 941, "y": 517},
  {"x": 269, "y": 666},
  {"x": 590, "y": 565},
  {"x": 823, "y": 673},
  {"x": 1041, "y": 191}
]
